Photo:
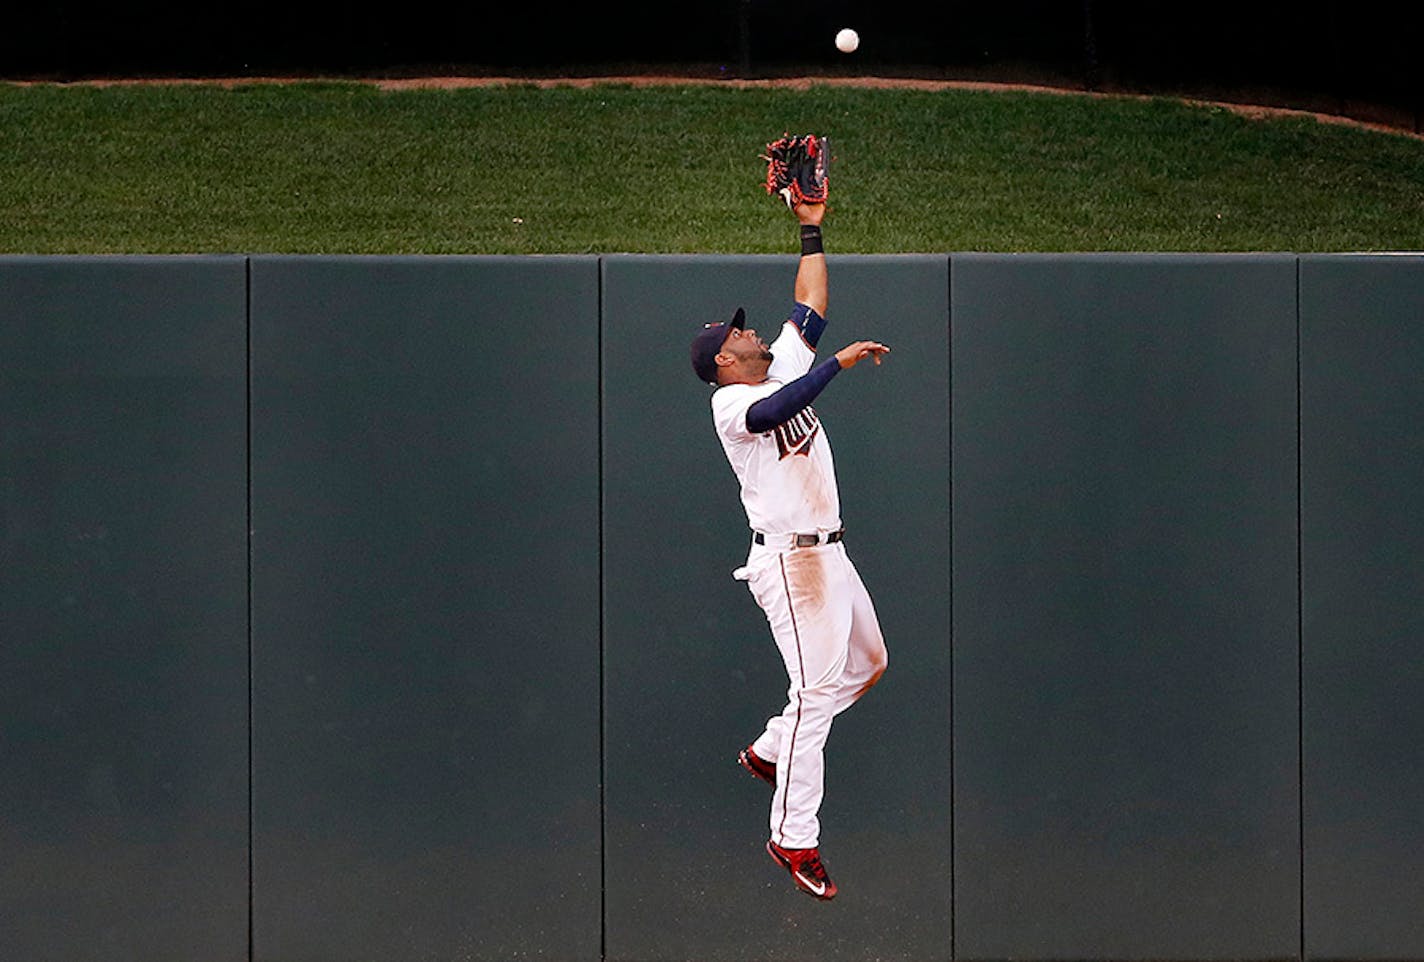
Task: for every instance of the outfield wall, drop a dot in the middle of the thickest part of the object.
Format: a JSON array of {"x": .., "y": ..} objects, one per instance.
[{"x": 381, "y": 608}]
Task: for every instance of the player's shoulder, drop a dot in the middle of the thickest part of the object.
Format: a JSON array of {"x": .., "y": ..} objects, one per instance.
[
  {"x": 731, "y": 401},
  {"x": 731, "y": 393}
]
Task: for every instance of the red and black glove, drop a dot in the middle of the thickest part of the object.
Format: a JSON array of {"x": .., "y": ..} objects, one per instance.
[{"x": 797, "y": 169}]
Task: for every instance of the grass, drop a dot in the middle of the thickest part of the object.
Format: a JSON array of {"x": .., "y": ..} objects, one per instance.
[{"x": 519, "y": 169}]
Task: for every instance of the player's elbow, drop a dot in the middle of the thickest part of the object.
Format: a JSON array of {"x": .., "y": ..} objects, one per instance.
[{"x": 816, "y": 301}]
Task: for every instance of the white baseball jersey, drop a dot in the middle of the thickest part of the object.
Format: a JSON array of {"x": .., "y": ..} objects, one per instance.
[{"x": 787, "y": 475}]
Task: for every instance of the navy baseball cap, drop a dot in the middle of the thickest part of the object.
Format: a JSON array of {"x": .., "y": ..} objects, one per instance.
[{"x": 708, "y": 342}]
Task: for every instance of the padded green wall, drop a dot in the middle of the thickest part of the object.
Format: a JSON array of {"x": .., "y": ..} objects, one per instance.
[
  {"x": 1125, "y": 623},
  {"x": 1362, "y": 483},
  {"x": 449, "y": 540},
  {"x": 123, "y": 609},
  {"x": 425, "y": 608},
  {"x": 691, "y": 673}
]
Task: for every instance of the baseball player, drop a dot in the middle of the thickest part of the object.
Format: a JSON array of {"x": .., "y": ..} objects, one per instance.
[{"x": 819, "y": 611}]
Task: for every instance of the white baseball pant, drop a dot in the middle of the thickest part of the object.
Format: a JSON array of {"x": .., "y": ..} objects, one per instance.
[{"x": 824, "y": 624}]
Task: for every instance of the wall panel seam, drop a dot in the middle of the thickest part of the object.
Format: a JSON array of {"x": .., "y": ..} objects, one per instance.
[
  {"x": 251, "y": 839},
  {"x": 602, "y": 631},
  {"x": 949, "y": 421},
  {"x": 1300, "y": 610}
]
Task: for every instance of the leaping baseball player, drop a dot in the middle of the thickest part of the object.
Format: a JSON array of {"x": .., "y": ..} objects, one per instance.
[{"x": 819, "y": 611}]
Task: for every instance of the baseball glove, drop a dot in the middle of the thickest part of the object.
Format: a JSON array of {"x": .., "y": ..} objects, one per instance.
[{"x": 797, "y": 169}]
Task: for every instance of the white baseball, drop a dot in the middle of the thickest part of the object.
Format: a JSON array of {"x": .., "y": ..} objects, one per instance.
[{"x": 847, "y": 40}]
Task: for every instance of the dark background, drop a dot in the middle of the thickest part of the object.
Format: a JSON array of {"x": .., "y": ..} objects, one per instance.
[{"x": 1344, "y": 57}]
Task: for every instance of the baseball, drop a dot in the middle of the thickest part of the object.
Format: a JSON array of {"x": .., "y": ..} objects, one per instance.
[{"x": 847, "y": 40}]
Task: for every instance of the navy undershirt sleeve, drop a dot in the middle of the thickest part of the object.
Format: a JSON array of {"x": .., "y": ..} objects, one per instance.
[
  {"x": 792, "y": 399},
  {"x": 809, "y": 323}
]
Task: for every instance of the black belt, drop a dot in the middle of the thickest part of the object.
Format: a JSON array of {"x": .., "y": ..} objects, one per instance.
[{"x": 803, "y": 540}]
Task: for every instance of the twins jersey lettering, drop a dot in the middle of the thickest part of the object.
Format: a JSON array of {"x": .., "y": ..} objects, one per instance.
[{"x": 796, "y": 435}]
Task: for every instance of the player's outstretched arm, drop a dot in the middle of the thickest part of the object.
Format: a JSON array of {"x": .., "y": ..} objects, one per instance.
[
  {"x": 812, "y": 284},
  {"x": 789, "y": 400}
]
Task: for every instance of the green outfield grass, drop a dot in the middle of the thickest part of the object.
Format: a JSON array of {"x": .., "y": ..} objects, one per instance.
[{"x": 347, "y": 168}]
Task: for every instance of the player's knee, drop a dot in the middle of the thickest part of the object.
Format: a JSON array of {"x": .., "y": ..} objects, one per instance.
[
  {"x": 877, "y": 669},
  {"x": 879, "y": 661},
  {"x": 878, "y": 664}
]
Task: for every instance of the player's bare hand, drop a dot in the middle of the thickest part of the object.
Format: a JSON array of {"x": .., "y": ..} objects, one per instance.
[
  {"x": 810, "y": 213},
  {"x": 859, "y": 351}
]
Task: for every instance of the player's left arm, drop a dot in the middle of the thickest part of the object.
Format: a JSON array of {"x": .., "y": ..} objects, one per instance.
[
  {"x": 807, "y": 321},
  {"x": 812, "y": 280}
]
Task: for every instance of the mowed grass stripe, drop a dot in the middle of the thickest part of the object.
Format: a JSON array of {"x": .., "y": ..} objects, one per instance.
[{"x": 519, "y": 169}]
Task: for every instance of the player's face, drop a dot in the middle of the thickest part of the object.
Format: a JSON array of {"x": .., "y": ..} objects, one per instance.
[{"x": 744, "y": 345}]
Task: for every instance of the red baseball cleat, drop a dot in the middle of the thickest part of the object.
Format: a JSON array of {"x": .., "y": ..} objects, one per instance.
[
  {"x": 758, "y": 766},
  {"x": 806, "y": 870}
]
